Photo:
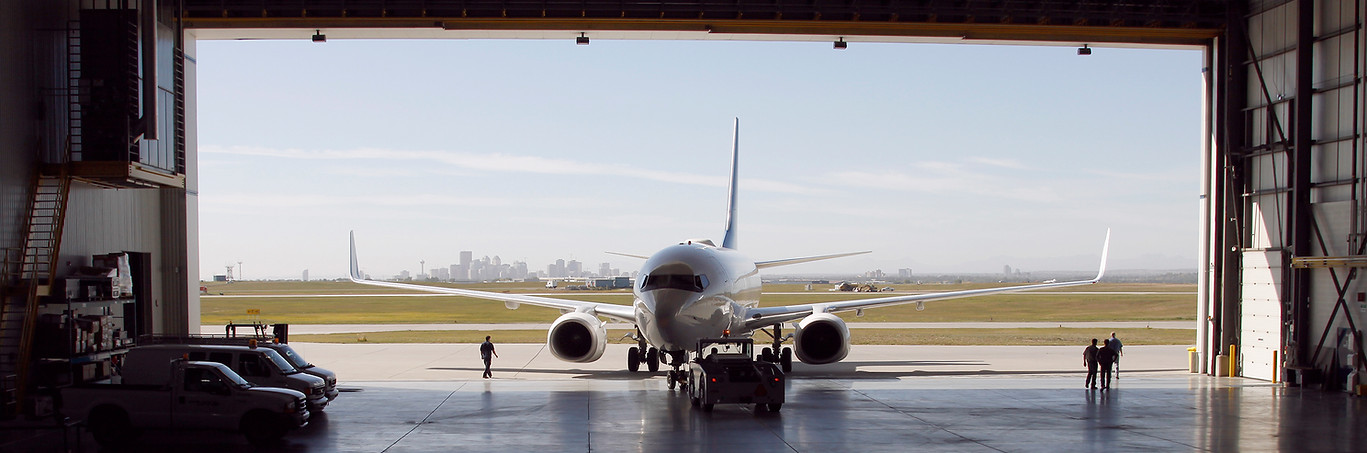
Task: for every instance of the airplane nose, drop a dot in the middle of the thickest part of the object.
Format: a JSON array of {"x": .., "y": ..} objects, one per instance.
[{"x": 668, "y": 308}]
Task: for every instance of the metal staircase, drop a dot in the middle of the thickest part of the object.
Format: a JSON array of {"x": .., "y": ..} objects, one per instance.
[{"x": 28, "y": 275}]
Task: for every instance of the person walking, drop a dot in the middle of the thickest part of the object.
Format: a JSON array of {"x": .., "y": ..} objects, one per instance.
[
  {"x": 486, "y": 352},
  {"x": 1105, "y": 357},
  {"x": 1119, "y": 352},
  {"x": 1089, "y": 361}
]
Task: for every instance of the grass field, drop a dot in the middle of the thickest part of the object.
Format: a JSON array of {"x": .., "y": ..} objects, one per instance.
[
  {"x": 1161, "y": 303},
  {"x": 967, "y": 337}
]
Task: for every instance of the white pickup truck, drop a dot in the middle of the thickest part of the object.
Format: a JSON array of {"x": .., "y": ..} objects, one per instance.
[{"x": 199, "y": 395}]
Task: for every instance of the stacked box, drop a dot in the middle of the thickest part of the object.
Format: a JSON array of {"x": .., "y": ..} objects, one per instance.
[{"x": 123, "y": 281}]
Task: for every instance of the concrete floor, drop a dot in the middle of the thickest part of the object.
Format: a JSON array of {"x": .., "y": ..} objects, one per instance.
[{"x": 946, "y": 399}]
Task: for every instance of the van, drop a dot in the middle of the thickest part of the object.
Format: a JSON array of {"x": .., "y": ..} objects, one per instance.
[
  {"x": 303, "y": 365},
  {"x": 147, "y": 365}
]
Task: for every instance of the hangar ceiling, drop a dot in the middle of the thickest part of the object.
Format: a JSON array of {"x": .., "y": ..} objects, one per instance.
[{"x": 1174, "y": 22}]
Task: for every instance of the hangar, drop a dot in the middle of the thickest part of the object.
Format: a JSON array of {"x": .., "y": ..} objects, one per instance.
[{"x": 99, "y": 154}]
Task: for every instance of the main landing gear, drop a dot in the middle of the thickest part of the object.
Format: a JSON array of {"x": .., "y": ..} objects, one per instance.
[
  {"x": 641, "y": 353},
  {"x": 778, "y": 354}
]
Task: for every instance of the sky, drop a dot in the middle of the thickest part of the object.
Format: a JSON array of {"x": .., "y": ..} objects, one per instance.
[{"x": 942, "y": 158}]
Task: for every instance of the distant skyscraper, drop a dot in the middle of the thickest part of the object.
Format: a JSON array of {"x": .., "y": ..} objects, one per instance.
[
  {"x": 306, "y": 275},
  {"x": 904, "y": 273},
  {"x": 574, "y": 269},
  {"x": 605, "y": 270},
  {"x": 1006, "y": 270}
]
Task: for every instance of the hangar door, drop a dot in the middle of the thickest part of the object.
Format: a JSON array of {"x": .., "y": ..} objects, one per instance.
[{"x": 1260, "y": 318}]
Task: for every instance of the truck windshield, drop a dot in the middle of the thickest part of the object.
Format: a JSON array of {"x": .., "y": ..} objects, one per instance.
[
  {"x": 284, "y": 365},
  {"x": 235, "y": 379},
  {"x": 294, "y": 357}
]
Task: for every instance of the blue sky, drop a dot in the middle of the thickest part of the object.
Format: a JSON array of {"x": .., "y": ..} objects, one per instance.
[{"x": 937, "y": 157}]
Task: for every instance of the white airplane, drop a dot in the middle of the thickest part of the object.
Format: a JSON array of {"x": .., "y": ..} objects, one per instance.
[{"x": 695, "y": 290}]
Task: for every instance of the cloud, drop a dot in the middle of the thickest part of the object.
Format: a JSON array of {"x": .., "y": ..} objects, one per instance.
[
  {"x": 946, "y": 178},
  {"x": 497, "y": 162}
]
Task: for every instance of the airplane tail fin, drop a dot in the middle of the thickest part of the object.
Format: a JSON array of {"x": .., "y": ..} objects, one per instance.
[
  {"x": 729, "y": 240},
  {"x": 355, "y": 266}
]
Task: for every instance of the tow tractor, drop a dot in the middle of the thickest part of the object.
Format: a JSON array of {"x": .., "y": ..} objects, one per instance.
[{"x": 724, "y": 371}]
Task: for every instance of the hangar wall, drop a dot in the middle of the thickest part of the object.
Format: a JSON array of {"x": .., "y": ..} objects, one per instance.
[
  {"x": 100, "y": 218},
  {"x": 1288, "y": 231}
]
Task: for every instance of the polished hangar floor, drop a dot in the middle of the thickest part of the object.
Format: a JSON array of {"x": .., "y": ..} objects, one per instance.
[{"x": 883, "y": 398}]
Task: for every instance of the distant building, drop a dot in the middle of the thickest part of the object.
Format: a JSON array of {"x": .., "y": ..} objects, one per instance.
[
  {"x": 306, "y": 275},
  {"x": 904, "y": 273},
  {"x": 605, "y": 270}
]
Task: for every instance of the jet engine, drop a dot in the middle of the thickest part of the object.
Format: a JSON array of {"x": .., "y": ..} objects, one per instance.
[
  {"x": 577, "y": 337},
  {"x": 822, "y": 338}
]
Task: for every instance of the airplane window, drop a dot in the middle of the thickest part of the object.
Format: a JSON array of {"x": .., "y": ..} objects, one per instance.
[{"x": 694, "y": 283}]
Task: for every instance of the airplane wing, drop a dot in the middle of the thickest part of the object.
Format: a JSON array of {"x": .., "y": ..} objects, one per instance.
[
  {"x": 807, "y": 259},
  {"x": 623, "y": 313},
  {"x": 766, "y": 316}
]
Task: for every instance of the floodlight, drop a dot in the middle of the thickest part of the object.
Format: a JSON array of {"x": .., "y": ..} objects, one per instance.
[
  {"x": 318, "y": 36},
  {"x": 582, "y": 40},
  {"x": 840, "y": 44},
  {"x": 1084, "y": 50}
]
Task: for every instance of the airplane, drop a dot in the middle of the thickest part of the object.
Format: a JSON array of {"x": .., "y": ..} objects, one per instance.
[{"x": 696, "y": 290}]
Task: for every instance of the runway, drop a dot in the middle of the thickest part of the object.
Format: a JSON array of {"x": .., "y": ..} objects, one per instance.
[{"x": 298, "y": 329}]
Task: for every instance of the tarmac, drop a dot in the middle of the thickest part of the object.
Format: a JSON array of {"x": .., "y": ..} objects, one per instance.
[{"x": 421, "y": 398}]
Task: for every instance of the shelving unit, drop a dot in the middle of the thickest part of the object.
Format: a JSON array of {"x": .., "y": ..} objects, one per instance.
[{"x": 83, "y": 341}]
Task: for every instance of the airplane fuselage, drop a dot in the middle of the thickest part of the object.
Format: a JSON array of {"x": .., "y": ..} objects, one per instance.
[{"x": 691, "y": 291}]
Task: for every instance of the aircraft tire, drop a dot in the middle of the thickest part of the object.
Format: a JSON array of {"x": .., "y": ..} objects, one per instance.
[
  {"x": 670, "y": 380},
  {"x": 633, "y": 359},
  {"x": 653, "y": 360},
  {"x": 766, "y": 355},
  {"x": 787, "y": 360}
]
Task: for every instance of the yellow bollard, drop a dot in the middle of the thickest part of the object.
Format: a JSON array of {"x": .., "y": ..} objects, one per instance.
[
  {"x": 1232, "y": 369},
  {"x": 1274, "y": 366}
]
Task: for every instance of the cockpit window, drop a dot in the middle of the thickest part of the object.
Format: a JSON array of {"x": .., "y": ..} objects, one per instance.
[{"x": 686, "y": 282}]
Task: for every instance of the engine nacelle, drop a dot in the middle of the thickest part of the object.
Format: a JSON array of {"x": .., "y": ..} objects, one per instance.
[
  {"x": 577, "y": 337},
  {"x": 822, "y": 338}
]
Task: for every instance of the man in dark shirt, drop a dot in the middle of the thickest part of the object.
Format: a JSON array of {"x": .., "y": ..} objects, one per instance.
[
  {"x": 1089, "y": 361},
  {"x": 486, "y": 351},
  {"x": 1105, "y": 357}
]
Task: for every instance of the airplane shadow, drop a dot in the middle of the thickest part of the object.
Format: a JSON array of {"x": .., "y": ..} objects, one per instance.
[
  {"x": 840, "y": 370},
  {"x": 818, "y": 372},
  {"x": 608, "y": 375}
]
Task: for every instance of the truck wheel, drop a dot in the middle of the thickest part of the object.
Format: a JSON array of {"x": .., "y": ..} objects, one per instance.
[
  {"x": 670, "y": 379},
  {"x": 774, "y": 407},
  {"x": 262, "y": 428},
  {"x": 633, "y": 359},
  {"x": 110, "y": 426}
]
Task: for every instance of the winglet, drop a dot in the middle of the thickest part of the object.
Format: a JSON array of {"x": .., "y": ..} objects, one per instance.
[
  {"x": 729, "y": 240},
  {"x": 1105, "y": 249},
  {"x": 355, "y": 267}
]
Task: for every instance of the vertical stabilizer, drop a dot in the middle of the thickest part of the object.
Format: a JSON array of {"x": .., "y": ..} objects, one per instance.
[{"x": 729, "y": 241}]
